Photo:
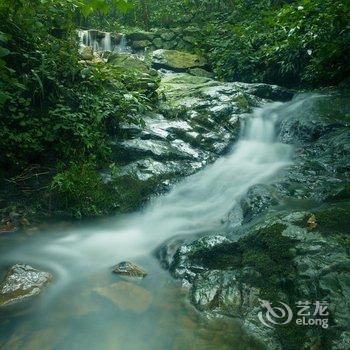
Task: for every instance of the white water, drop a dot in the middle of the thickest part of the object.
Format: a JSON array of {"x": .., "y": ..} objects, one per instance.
[{"x": 196, "y": 205}]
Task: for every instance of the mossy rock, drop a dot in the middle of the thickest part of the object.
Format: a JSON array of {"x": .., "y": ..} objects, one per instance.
[
  {"x": 129, "y": 62},
  {"x": 176, "y": 60},
  {"x": 336, "y": 219},
  {"x": 140, "y": 35},
  {"x": 141, "y": 44}
]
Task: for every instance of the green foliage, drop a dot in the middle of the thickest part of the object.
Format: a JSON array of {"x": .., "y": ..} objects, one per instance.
[
  {"x": 293, "y": 43},
  {"x": 299, "y": 43},
  {"x": 55, "y": 110},
  {"x": 80, "y": 191}
]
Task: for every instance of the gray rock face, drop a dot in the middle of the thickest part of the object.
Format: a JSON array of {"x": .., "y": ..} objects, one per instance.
[
  {"x": 127, "y": 268},
  {"x": 21, "y": 282},
  {"x": 258, "y": 199}
]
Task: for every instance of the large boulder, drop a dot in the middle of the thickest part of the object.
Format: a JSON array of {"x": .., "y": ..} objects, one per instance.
[
  {"x": 22, "y": 282},
  {"x": 141, "y": 44},
  {"x": 176, "y": 60}
]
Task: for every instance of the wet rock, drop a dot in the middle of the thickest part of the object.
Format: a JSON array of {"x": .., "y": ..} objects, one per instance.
[
  {"x": 157, "y": 149},
  {"x": 200, "y": 72},
  {"x": 140, "y": 35},
  {"x": 148, "y": 168},
  {"x": 317, "y": 118},
  {"x": 222, "y": 291},
  {"x": 21, "y": 282},
  {"x": 206, "y": 252},
  {"x": 126, "y": 296},
  {"x": 8, "y": 227},
  {"x": 167, "y": 36},
  {"x": 258, "y": 199},
  {"x": 167, "y": 251},
  {"x": 228, "y": 275},
  {"x": 158, "y": 43},
  {"x": 312, "y": 223},
  {"x": 197, "y": 119},
  {"x": 176, "y": 60},
  {"x": 127, "y": 268},
  {"x": 141, "y": 44},
  {"x": 130, "y": 63}
]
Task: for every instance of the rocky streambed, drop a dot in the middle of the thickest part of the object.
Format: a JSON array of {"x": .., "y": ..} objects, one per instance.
[{"x": 292, "y": 244}]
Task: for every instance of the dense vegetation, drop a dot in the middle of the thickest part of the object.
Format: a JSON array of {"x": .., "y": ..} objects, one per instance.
[
  {"x": 61, "y": 116},
  {"x": 294, "y": 43}
]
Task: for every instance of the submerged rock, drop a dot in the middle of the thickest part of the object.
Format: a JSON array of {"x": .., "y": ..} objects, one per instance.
[
  {"x": 21, "y": 282},
  {"x": 127, "y": 268},
  {"x": 176, "y": 60},
  {"x": 127, "y": 296}
]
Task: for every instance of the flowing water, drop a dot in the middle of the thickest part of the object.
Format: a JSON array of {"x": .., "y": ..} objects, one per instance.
[{"x": 80, "y": 309}]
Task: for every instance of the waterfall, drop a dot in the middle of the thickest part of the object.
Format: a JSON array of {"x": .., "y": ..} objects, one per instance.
[
  {"x": 107, "y": 42},
  {"x": 99, "y": 43},
  {"x": 122, "y": 46},
  {"x": 84, "y": 38}
]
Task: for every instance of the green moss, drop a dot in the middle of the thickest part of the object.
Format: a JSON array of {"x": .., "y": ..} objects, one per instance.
[
  {"x": 131, "y": 193},
  {"x": 220, "y": 257},
  {"x": 242, "y": 102},
  {"x": 80, "y": 191},
  {"x": 334, "y": 220},
  {"x": 270, "y": 253}
]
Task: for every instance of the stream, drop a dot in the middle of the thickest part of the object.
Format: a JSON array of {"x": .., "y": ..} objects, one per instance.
[{"x": 79, "y": 310}]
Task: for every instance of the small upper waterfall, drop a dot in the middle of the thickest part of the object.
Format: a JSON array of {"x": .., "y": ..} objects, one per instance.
[{"x": 103, "y": 41}]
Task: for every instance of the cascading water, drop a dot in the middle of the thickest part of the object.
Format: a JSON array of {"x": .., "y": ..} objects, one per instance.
[
  {"x": 80, "y": 259},
  {"x": 107, "y": 42},
  {"x": 123, "y": 45}
]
